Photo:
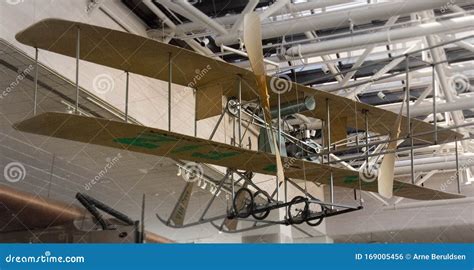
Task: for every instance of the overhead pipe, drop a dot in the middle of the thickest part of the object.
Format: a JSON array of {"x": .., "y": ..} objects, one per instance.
[
  {"x": 434, "y": 163},
  {"x": 198, "y": 16},
  {"x": 355, "y": 15},
  {"x": 423, "y": 204},
  {"x": 172, "y": 26},
  {"x": 438, "y": 55},
  {"x": 241, "y": 53},
  {"x": 384, "y": 37},
  {"x": 160, "y": 14},
  {"x": 248, "y": 8},
  {"x": 465, "y": 102},
  {"x": 170, "y": 5},
  {"x": 463, "y": 44},
  {"x": 465, "y": 158},
  {"x": 450, "y": 165},
  {"x": 392, "y": 64},
  {"x": 279, "y": 4},
  {"x": 415, "y": 74},
  {"x": 232, "y": 19}
]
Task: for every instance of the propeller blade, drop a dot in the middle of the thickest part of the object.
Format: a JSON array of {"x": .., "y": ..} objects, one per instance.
[
  {"x": 386, "y": 173},
  {"x": 253, "y": 44}
]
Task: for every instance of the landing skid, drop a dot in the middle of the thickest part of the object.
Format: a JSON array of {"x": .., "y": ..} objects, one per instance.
[{"x": 254, "y": 206}]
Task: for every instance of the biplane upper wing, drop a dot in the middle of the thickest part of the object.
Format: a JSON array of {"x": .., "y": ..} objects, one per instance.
[
  {"x": 144, "y": 56},
  {"x": 158, "y": 142}
]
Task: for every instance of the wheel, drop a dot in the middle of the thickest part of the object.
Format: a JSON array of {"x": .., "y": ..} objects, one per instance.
[
  {"x": 243, "y": 203},
  {"x": 316, "y": 222},
  {"x": 298, "y": 210},
  {"x": 233, "y": 106},
  {"x": 316, "y": 208},
  {"x": 259, "y": 202}
]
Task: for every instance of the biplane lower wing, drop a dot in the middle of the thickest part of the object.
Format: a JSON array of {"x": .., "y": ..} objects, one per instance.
[{"x": 136, "y": 138}]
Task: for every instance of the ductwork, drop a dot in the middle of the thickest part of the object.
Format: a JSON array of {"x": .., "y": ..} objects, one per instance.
[
  {"x": 466, "y": 102},
  {"x": 197, "y": 16},
  {"x": 414, "y": 75},
  {"x": 357, "y": 15},
  {"x": 173, "y": 29},
  {"x": 433, "y": 163},
  {"x": 383, "y": 37},
  {"x": 231, "y": 19},
  {"x": 438, "y": 55},
  {"x": 424, "y": 204},
  {"x": 31, "y": 212}
]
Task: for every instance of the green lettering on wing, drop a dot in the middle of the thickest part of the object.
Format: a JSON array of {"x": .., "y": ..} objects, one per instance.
[
  {"x": 270, "y": 168},
  {"x": 148, "y": 140},
  {"x": 214, "y": 155},
  {"x": 138, "y": 142},
  {"x": 351, "y": 179},
  {"x": 185, "y": 148}
]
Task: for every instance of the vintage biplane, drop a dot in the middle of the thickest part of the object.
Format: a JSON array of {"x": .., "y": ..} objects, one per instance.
[{"x": 251, "y": 99}]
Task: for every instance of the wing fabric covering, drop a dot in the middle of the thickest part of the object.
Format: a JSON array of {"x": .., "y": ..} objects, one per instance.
[{"x": 156, "y": 142}]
